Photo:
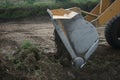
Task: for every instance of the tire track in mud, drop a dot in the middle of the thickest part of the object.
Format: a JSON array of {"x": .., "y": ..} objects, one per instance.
[{"x": 37, "y": 33}]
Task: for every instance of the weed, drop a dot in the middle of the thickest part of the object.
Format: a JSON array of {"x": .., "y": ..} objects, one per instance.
[{"x": 26, "y": 44}]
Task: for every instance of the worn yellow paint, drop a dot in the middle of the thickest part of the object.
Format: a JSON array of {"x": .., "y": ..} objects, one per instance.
[
  {"x": 109, "y": 13},
  {"x": 94, "y": 11},
  {"x": 105, "y": 11}
]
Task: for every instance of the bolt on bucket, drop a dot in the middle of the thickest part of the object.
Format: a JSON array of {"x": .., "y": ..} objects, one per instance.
[{"x": 78, "y": 35}]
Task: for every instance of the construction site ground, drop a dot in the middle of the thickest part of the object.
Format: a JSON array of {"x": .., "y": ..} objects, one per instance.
[{"x": 104, "y": 64}]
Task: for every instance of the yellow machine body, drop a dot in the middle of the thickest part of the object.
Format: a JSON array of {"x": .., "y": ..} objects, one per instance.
[{"x": 103, "y": 12}]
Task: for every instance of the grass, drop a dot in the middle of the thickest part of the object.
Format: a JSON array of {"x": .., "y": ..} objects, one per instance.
[
  {"x": 11, "y": 10},
  {"x": 26, "y": 45}
]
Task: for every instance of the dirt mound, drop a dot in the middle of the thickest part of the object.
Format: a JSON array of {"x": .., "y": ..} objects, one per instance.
[{"x": 28, "y": 63}]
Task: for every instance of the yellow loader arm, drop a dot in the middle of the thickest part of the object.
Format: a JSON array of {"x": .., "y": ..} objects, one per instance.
[{"x": 104, "y": 12}]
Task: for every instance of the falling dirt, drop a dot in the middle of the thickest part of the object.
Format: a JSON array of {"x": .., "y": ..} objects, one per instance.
[{"x": 104, "y": 64}]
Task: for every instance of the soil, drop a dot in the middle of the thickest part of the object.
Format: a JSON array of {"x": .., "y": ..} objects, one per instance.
[{"x": 104, "y": 64}]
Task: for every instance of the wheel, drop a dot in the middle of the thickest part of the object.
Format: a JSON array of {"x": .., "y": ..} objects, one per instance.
[
  {"x": 62, "y": 54},
  {"x": 112, "y": 32},
  {"x": 112, "y": 1}
]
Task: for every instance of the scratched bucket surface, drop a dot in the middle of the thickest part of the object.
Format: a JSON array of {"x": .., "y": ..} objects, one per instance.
[{"x": 81, "y": 34}]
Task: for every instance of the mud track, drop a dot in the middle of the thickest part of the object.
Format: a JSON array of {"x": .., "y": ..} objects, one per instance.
[
  {"x": 103, "y": 65},
  {"x": 38, "y": 31}
]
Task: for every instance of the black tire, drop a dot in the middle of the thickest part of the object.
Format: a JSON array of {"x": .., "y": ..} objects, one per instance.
[
  {"x": 112, "y": 32},
  {"x": 62, "y": 54},
  {"x": 112, "y": 1}
]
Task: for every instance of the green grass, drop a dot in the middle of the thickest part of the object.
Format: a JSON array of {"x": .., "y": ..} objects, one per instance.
[
  {"x": 24, "y": 9},
  {"x": 26, "y": 45}
]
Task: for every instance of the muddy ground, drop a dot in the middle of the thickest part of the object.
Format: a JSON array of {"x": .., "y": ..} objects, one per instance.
[{"x": 103, "y": 65}]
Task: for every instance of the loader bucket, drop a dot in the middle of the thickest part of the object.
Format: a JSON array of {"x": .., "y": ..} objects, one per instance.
[{"x": 78, "y": 35}]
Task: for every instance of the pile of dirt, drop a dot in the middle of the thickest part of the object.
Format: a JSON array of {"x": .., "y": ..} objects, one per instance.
[
  {"x": 20, "y": 65},
  {"x": 29, "y": 63}
]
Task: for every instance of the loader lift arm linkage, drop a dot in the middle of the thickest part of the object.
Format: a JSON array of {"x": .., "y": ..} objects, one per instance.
[{"x": 105, "y": 11}]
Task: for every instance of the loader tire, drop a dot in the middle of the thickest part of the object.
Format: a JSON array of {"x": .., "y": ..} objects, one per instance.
[
  {"x": 62, "y": 54},
  {"x": 112, "y": 32},
  {"x": 112, "y": 1}
]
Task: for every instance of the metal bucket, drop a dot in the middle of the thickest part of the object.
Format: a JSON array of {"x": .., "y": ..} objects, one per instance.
[{"x": 79, "y": 37}]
